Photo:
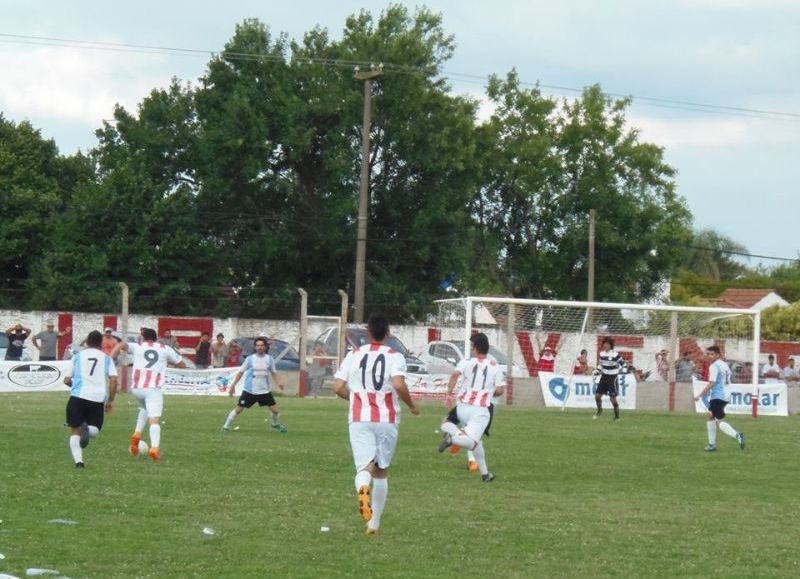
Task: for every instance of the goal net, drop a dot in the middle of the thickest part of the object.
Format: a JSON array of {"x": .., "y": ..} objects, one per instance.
[{"x": 539, "y": 339}]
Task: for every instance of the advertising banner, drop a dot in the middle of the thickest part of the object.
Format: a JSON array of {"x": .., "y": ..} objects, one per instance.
[
  {"x": 772, "y": 399},
  {"x": 578, "y": 391}
]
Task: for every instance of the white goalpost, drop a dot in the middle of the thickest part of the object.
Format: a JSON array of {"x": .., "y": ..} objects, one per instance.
[{"x": 660, "y": 343}]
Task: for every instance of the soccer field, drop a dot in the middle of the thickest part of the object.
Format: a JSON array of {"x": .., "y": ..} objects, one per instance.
[{"x": 574, "y": 497}]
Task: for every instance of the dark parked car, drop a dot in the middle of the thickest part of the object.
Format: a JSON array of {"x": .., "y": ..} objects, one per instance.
[
  {"x": 357, "y": 336},
  {"x": 286, "y": 357}
]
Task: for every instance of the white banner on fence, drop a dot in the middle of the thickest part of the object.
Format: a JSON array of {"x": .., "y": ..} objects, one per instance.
[
  {"x": 49, "y": 376},
  {"x": 578, "y": 391},
  {"x": 427, "y": 385},
  {"x": 32, "y": 376},
  {"x": 772, "y": 399}
]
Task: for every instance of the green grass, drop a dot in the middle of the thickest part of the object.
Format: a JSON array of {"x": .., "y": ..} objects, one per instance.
[{"x": 573, "y": 497}]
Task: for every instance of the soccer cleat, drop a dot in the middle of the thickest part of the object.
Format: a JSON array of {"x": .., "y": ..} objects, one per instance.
[
  {"x": 364, "y": 504},
  {"x": 488, "y": 477},
  {"x": 135, "y": 444},
  {"x": 280, "y": 428},
  {"x": 154, "y": 454},
  {"x": 597, "y": 414},
  {"x": 371, "y": 531},
  {"x": 454, "y": 449},
  {"x": 740, "y": 439},
  {"x": 447, "y": 441},
  {"x": 472, "y": 466},
  {"x": 80, "y": 465},
  {"x": 711, "y": 448},
  {"x": 616, "y": 418},
  {"x": 84, "y": 435},
  {"x": 224, "y": 429}
]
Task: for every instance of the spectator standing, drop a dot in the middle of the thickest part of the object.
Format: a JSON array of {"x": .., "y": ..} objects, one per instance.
[
  {"x": 234, "y": 359},
  {"x": 109, "y": 341},
  {"x": 203, "y": 351},
  {"x": 219, "y": 352},
  {"x": 684, "y": 368},
  {"x": 582, "y": 364},
  {"x": 662, "y": 365},
  {"x": 790, "y": 374},
  {"x": 770, "y": 372},
  {"x": 47, "y": 340},
  {"x": 16, "y": 341},
  {"x": 316, "y": 370},
  {"x": 169, "y": 340},
  {"x": 746, "y": 374}
]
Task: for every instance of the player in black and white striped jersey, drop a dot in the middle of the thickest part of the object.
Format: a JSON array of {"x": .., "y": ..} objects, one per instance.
[{"x": 611, "y": 362}]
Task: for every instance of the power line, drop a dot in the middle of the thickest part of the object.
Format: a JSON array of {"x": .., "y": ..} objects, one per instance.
[{"x": 398, "y": 68}]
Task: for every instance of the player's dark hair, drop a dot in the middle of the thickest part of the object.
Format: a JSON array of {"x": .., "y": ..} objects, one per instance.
[
  {"x": 481, "y": 343},
  {"x": 94, "y": 339},
  {"x": 264, "y": 340},
  {"x": 714, "y": 349},
  {"x": 149, "y": 335},
  {"x": 378, "y": 325},
  {"x": 608, "y": 341}
]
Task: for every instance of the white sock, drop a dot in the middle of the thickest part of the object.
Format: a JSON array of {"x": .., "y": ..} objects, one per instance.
[
  {"x": 141, "y": 420},
  {"x": 471, "y": 456},
  {"x": 711, "y": 425},
  {"x": 480, "y": 458},
  {"x": 229, "y": 420},
  {"x": 380, "y": 489},
  {"x": 94, "y": 432},
  {"x": 275, "y": 421},
  {"x": 75, "y": 448},
  {"x": 457, "y": 436},
  {"x": 363, "y": 478},
  {"x": 728, "y": 429},
  {"x": 155, "y": 435}
]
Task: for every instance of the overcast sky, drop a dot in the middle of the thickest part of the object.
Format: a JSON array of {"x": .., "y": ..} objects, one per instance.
[{"x": 736, "y": 168}]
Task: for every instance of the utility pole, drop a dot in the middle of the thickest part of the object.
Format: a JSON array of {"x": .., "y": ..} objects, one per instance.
[
  {"x": 590, "y": 290},
  {"x": 363, "y": 194}
]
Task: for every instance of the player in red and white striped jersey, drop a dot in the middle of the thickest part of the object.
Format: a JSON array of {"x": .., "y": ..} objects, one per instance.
[
  {"x": 150, "y": 359},
  {"x": 480, "y": 379},
  {"x": 372, "y": 378}
]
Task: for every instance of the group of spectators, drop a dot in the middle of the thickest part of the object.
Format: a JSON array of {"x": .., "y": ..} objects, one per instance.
[
  {"x": 208, "y": 354},
  {"x": 45, "y": 341}
]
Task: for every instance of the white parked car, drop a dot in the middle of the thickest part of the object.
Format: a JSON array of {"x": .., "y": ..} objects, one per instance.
[{"x": 441, "y": 357}]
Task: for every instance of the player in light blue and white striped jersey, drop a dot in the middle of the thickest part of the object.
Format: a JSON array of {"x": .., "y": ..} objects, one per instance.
[
  {"x": 719, "y": 394},
  {"x": 92, "y": 378}
]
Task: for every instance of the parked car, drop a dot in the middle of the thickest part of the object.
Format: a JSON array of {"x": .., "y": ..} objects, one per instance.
[
  {"x": 4, "y": 346},
  {"x": 356, "y": 337},
  {"x": 286, "y": 357},
  {"x": 442, "y": 357}
]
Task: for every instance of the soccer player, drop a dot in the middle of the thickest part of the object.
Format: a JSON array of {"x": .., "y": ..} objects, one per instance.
[
  {"x": 150, "y": 359},
  {"x": 480, "y": 380},
  {"x": 256, "y": 369},
  {"x": 719, "y": 380},
  {"x": 92, "y": 378},
  {"x": 611, "y": 362},
  {"x": 372, "y": 378}
]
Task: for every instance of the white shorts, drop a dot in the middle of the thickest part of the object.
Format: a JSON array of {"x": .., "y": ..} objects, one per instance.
[
  {"x": 373, "y": 441},
  {"x": 474, "y": 418},
  {"x": 151, "y": 399}
]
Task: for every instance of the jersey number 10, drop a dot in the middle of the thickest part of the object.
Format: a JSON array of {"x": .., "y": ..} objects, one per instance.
[{"x": 377, "y": 375}]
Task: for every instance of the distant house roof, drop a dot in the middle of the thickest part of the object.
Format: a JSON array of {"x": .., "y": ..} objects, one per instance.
[{"x": 749, "y": 299}]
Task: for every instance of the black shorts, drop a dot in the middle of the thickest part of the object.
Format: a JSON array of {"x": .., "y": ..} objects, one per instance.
[
  {"x": 452, "y": 416},
  {"x": 80, "y": 411},
  {"x": 247, "y": 399},
  {"x": 717, "y": 408},
  {"x": 607, "y": 385}
]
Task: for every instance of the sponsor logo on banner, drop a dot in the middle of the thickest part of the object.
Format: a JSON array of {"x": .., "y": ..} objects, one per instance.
[
  {"x": 578, "y": 391},
  {"x": 427, "y": 385},
  {"x": 16, "y": 376},
  {"x": 213, "y": 381},
  {"x": 772, "y": 399}
]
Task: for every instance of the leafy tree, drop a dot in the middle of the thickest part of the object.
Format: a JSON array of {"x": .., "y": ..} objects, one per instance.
[
  {"x": 546, "y": 165},
  {"x": 711, "y": 255},
  {"x": 35, "y": 186}
]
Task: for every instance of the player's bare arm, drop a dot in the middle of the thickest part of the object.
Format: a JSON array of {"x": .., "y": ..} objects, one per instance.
[
  {"x": 341, "y": 389},
  {"x": 399, "y": 383},
  {"x": 277, "y": 378},
  {"x": 232, "y": 388},
  {"x": 112, "y": 393},
  {"x": 451, "y": 384}
]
